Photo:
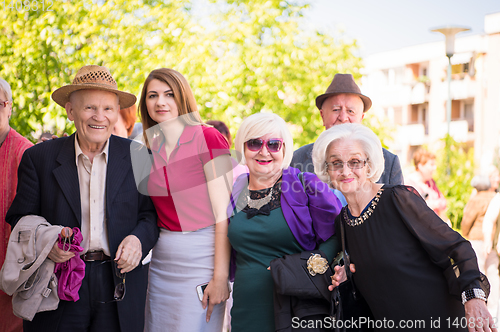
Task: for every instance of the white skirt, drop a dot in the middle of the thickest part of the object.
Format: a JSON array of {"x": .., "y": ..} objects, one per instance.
[{"x": 180, "y": 262}]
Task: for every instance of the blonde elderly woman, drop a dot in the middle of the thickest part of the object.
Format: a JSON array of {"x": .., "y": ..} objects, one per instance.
[
  {"x": 272, "y": 215},
  {"x": 409, "y": 265}
]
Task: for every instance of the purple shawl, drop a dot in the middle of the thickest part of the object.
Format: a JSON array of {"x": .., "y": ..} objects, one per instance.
[{"x": 309, "y": 210}]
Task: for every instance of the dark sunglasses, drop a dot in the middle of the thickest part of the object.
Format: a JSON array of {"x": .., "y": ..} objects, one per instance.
[
  {"x": 272, "y": 144},
  {"x": 120, "y": 288}
]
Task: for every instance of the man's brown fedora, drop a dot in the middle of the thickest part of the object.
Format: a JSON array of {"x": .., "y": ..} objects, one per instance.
[
  {"x": 93, "y": 78},
  {"x": 343, "y": 83}
]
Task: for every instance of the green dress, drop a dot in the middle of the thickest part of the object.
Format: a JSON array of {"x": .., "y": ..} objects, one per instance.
[{"x": 258, "y": 241}]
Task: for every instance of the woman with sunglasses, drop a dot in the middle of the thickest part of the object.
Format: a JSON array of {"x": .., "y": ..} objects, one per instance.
[
  {"x": 413, "y": 270},
  {"x": 273, "y": 214},
  {"x": 189, "y": 183}
]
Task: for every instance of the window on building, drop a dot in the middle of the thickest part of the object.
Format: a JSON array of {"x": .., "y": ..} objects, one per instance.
[
  {"x": 460, "y": 68},
  {"x": 418, "y": 115},
  {"x": 414, "y": 114},
  {"x": 463, "y": 110},
  {"x": 469, "y": 113},
  {"x": 415, "y": 69},
  {"x": 456, "y": 109}
]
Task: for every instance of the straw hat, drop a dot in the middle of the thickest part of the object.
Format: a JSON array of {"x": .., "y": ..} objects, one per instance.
[
  {"x": 93, "y": 78},
  {"x": 343, "y": 83}
]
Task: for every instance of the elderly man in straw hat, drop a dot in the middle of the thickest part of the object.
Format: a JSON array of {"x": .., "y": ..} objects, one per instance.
[
  {"x": 86, "y": 181},
  {"x": 343, "y": 102}
]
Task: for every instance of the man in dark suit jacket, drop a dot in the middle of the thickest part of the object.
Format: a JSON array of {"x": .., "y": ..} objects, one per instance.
[
  {"x": 343, "y": 103},
  {"x": 86, "y": 181}
]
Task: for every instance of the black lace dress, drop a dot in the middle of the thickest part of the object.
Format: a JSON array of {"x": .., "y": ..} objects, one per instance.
[{"x": 404, "y": 255}]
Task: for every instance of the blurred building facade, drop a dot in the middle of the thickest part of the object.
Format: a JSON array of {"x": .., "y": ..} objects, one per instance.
[{"x": 409, "y": 89}]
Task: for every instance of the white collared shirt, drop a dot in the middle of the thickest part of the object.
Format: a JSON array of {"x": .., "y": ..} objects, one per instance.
[{"x": 92, "y": 180}]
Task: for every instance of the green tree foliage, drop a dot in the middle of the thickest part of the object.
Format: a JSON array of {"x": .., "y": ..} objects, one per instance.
[
  {"x": 42, "y": 50},
  {"x": 455, "y": 169},
  {"x": 240, "y": 57}
]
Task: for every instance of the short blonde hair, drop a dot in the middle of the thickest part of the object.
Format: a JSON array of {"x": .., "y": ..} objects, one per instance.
[
  {"x": 260, "y": 124},
  {"x": 370, "y": 144}
]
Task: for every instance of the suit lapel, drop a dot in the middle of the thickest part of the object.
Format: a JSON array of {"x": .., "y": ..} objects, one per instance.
[
  {"x": 67, "y": 176},
  {"x": 117, "y": 167}
]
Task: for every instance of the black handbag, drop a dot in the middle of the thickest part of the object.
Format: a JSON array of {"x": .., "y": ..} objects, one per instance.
[{"x": 350, "y": 310}]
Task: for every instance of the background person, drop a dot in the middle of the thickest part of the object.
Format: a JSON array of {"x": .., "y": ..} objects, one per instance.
[
  {"x": 126, "y": 121},
  {"x": 273, "y": 216},
  {"x": 491, "y": 229},
  {"x": 222, "y": 128},
  {"x": 12, "y": 147},
  {"x": 86, "y": 180},
  {"x": 400, "y": 248},
  {"x": 494, "y": 176},
  {"x": 189, "y": 188},
  {"x": 472, "y": 229},
  {"x": 238, "y": 169},
  {"x": 422, "y": 181}
]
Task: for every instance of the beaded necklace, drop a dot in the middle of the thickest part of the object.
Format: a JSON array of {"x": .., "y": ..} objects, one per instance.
[{"x": 356, "y": 221}]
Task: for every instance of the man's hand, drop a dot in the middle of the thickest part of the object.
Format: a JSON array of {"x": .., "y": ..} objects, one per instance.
[
  {"x": 129, "y": 254},
  {"x": 57, "y": 255}
]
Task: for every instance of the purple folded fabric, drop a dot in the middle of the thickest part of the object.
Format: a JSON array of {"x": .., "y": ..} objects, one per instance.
[{"x": 70, "y": 273}]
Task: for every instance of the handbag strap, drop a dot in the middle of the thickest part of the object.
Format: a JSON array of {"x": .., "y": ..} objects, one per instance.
[
  {"x": 301, "y": 178},
  {"x": 347, "y": 258}
]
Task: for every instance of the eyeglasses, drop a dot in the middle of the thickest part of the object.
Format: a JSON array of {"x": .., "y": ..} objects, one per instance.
[
  {"x": 272, "y": 144},
  {"x": 339, "y": 165},
  {"x": 120, "y": 289},
  {"x": 4, "y": 103}
]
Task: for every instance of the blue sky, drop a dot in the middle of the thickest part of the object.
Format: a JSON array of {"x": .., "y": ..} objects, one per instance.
[{"x": 382, "y": 25}]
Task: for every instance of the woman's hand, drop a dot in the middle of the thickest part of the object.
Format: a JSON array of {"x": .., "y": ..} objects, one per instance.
[
  {"x": 478, "y": 317},
  {"x": 217, "y": 291},
  {"x": 340, "y": 276},
  {"x": 45, "y": 139}
]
